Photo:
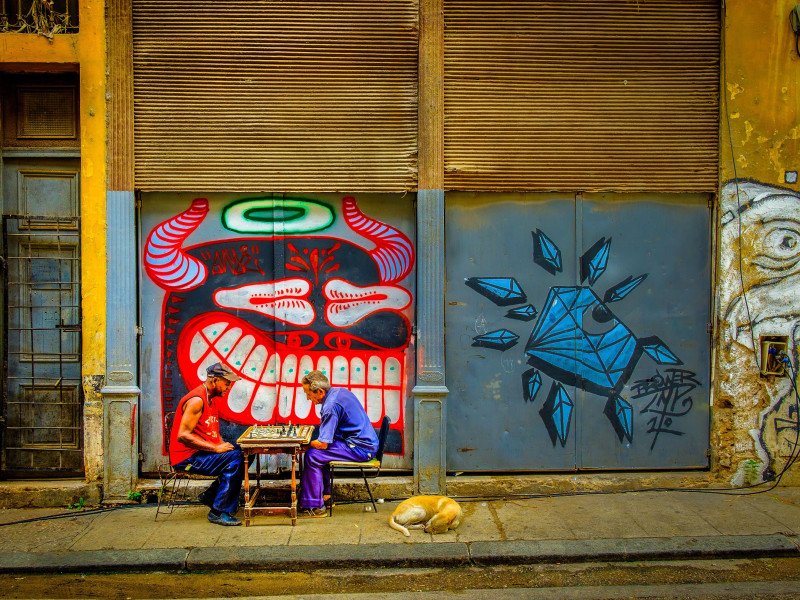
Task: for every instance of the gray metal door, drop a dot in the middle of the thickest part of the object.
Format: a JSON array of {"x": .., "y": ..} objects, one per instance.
[
  {"x": 42, "y": 426},
  {"x": 576, "y": 331}
]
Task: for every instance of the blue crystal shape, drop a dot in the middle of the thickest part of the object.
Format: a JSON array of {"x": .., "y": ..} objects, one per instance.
[
  {"x": 557, "y": 413},
  {"x": 624, "y": 412},
  {"x": 623, "y": 288},
  {"x": 500, "y": 339},
  {"x": 595, "y": 260},
  {"x": 545, "y": 253},
  {"x": 560, "y": 347},
  {"x": 503, "y": 291},
  {"x": 658, "y": 351},
  {"x": 523, "y": 313},
  {"x": 620, "y": 413},
  {"x": 531, "y": 382}
]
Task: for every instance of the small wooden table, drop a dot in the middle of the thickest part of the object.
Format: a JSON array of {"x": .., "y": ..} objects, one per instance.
[{"x": 272, "y": 439}]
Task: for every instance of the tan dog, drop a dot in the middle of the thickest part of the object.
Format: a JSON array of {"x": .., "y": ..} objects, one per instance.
[{"x": 434, "y": 514}]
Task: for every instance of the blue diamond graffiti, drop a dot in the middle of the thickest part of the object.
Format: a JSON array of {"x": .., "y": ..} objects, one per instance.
[{"x": 578, "y": 342}]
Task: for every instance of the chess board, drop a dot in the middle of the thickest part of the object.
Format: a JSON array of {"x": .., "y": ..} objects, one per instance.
[{"x": 265, "y": 434}]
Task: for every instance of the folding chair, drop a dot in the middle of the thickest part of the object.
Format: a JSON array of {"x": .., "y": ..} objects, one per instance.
[
  {"x": 370, "y": 466},
  {"x": 174, "y": 488}
]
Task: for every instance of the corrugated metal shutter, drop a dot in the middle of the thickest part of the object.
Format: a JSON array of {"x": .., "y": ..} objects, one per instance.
[
  {"x": 280, "y": 95},
  {"x": 581, "y": 95}
]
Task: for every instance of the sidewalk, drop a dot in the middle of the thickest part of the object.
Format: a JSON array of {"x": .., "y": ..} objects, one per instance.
[{"x": 615, "y": 526}]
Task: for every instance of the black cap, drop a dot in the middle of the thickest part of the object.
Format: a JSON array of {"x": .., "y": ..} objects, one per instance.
[{"x": 220, "y": 370}]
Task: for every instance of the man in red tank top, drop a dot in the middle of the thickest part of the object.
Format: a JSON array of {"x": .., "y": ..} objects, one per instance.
[{"x": 196, "y": 446}]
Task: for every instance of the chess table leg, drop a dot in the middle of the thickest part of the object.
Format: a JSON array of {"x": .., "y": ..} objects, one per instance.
[
  {"x": 294, "y": 490},
  {"x": 246, "y": 491}
]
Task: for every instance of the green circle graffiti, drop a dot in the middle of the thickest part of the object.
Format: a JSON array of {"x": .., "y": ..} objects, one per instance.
[{"x": 277, "y": 215}]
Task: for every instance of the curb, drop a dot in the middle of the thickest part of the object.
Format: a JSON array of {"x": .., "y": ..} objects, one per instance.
[
  {"x": 307, "y": 558},
  {"x": 162, "y": 559},
  {"x": 633, "y": 549},
  {"x": 329, "y": 557}
]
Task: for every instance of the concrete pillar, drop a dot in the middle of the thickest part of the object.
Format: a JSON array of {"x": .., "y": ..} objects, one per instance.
[
  {"x": 120, "y": 393},
  {"x": 430, "y": 393}
]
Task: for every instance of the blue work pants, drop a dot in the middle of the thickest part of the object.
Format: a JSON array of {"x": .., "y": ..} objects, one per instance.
[
  {"x": 315, "y": 481},
  {"x": 228, "y": 467}
]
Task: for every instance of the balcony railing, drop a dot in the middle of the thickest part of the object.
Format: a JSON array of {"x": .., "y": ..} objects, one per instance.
[{"x": 44, "y": 17}]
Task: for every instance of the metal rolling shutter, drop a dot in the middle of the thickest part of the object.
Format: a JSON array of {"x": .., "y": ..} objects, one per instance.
[
  {"x": 279, "y": 95},
  {"x": 582, "y": 95}
]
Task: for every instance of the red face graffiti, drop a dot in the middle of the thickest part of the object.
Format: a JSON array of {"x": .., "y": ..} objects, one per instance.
[{"x": 275, "y": 307}]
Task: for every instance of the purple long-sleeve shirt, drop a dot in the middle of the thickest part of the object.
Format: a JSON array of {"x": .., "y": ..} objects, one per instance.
[{"x": 343, "y": 418}]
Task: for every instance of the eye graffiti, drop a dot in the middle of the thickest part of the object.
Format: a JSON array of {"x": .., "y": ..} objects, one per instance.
[
  {"x": 276, "y": 307},
  {"x": 760, "y": 252},
  {"x": 597, "y": 354}
]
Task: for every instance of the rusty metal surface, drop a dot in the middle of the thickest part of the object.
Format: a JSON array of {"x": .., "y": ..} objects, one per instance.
[
  {"x": 290, "y": 96},
  {"x": 582, "y": 95},
  {"x": 120, "y": 96}
]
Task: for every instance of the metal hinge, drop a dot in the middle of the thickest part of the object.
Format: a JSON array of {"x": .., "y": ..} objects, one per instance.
[
  {"x": 139, "y": 330},
  {"x": 709, "y": 328}
]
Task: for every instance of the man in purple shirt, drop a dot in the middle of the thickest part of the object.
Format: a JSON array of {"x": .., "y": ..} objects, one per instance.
[{"x": 345, "y": 433}]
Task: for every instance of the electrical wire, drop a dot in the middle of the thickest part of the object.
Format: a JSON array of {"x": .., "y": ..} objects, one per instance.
[
  {"x": 730, "y": 491},
  {"x": 736, "y": 183}
]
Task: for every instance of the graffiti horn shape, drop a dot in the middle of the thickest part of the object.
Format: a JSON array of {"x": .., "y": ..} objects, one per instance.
[
  {"x": 393, "y": 252},
  {"x": 166, "y": 264},
  {"x": 283, "y": 300},
  {"x": 348, "y": 304}
]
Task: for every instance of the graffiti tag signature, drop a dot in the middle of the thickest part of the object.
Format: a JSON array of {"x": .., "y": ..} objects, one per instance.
[{"x": 669, "y": 399}]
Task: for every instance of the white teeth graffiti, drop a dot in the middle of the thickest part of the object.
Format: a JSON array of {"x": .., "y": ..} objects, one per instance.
[
  {"x": 348, "y": 304},
  {"x": 283, "y": 300},
  {"x": 270, "y": 385}
]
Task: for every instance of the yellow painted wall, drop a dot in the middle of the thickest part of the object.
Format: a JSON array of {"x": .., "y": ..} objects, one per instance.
[
  {"x": 86, "y": 49},
  {"x": 758, "y": 241},
  {"x": 762, "y": 92},
  {"x": 92, "y": 56}
]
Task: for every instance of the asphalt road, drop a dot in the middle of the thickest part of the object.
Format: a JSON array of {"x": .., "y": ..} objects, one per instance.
[{"x": 773, "y": 579}]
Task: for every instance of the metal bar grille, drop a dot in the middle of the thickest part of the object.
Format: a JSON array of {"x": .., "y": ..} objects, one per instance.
[
  {"x": 583, "y": 95},
  {"x": 281, "y": 96},
  {"x": 42, "y": 394},
  {"x": 39, "y": 16}
]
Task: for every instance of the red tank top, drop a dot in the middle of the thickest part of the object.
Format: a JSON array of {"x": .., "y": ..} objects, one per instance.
[{"x": 207, "y": 427}]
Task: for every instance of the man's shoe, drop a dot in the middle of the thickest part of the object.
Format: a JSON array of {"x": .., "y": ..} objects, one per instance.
[
  {"x": 223, "y": 519},
  {"x": 313, "y": 513},
  {"x": 206, "y": 498}
]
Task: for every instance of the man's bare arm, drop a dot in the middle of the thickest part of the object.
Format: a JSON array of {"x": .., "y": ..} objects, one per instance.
[{"x": 192, "y": 412}]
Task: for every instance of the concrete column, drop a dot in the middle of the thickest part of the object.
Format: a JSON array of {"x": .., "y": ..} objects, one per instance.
[
  {"x": 120, "y": 393},
  {"x": 430, "y": 393}
]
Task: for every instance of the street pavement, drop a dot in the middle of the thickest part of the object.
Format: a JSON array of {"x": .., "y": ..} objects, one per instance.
[{"x": 618, "y": 526}]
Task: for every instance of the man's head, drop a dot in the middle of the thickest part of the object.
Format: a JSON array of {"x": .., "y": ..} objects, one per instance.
[
  {"x": 220, "y": 379},
  {"x": 316, "y": 386}
]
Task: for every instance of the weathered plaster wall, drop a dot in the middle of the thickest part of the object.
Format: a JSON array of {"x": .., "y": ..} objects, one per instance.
[
  {"x": 86, "y": 50},
  {"x": 92, "y": 55},
  {"x": 754, "y": 417}
]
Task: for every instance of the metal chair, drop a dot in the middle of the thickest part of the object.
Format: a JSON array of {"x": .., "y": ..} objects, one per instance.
[
  {"x": 373, "y": 467},
  {"x": 174, "y": 488}
]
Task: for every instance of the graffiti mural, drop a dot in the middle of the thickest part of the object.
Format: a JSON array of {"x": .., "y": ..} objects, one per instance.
[
  {"x": 596, "y": 354},
  {"x": 759, "y": 285},
  {"x": 277, "y": 295}
]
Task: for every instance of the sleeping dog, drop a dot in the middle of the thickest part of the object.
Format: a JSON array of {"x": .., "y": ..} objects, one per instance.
[{"x": 434, "y": 514}]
